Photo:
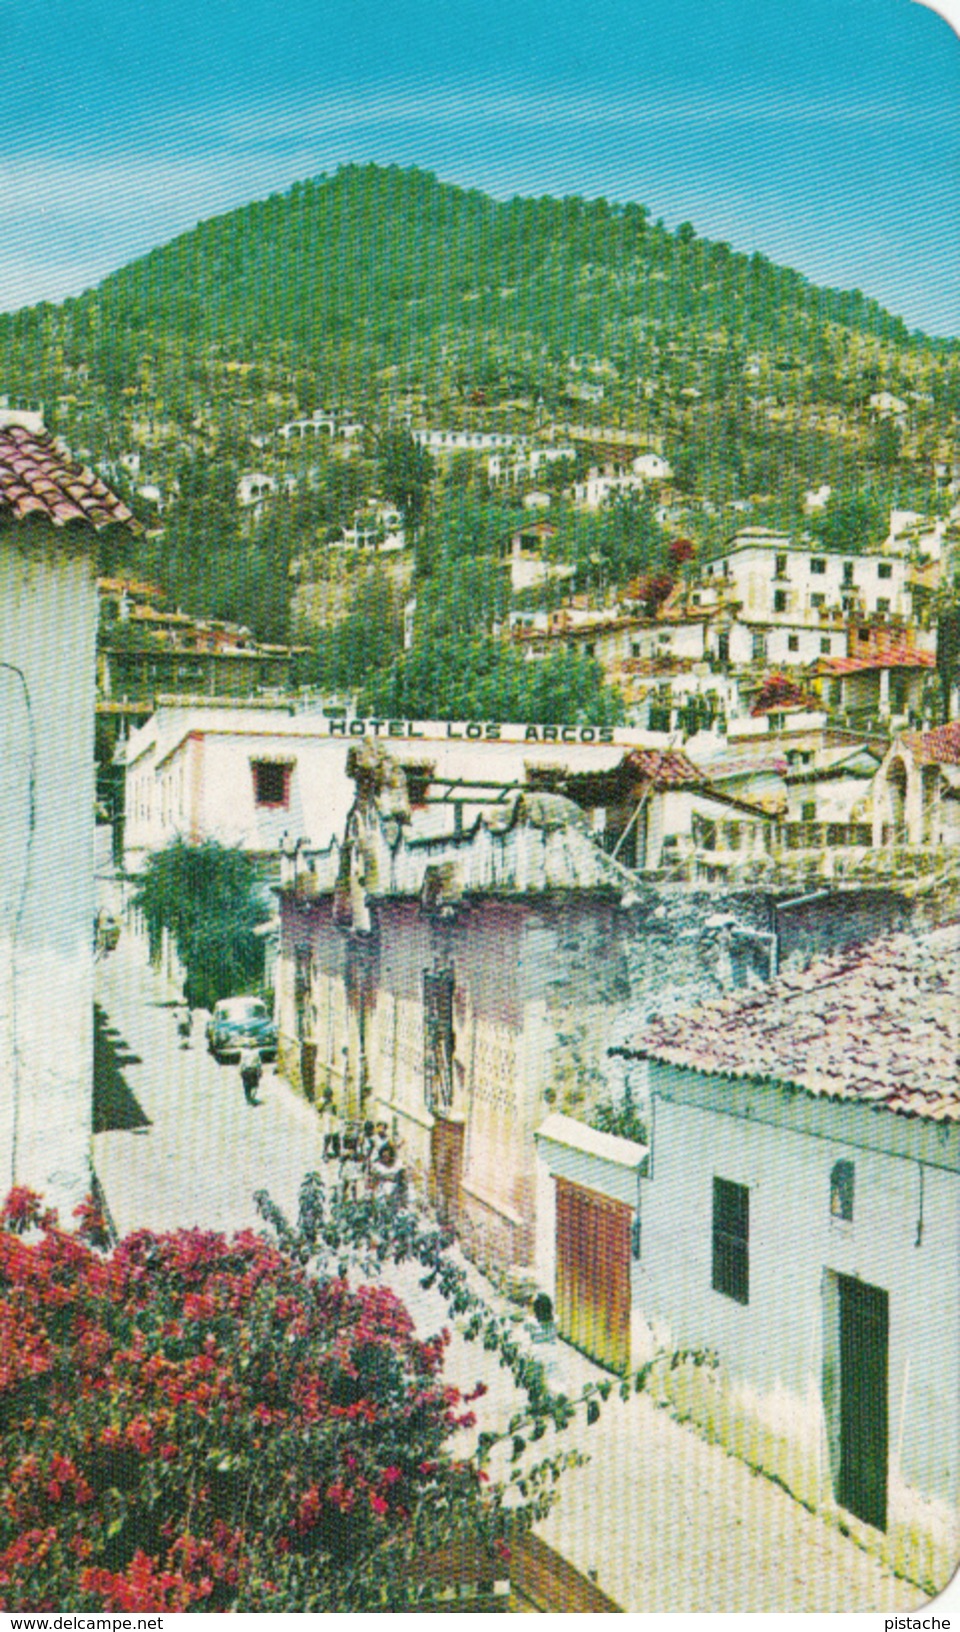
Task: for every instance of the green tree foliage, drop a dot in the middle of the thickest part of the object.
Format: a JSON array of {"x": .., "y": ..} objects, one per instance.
[
  {"x": 621, "y": 1118},
  {"x": 206, "y": 897},
  {"x": 406, "y": 470},
  {"x": 367, "y": 640},
  {"x": 484, "y": 678},
  {"x": 853, "y": 521}
]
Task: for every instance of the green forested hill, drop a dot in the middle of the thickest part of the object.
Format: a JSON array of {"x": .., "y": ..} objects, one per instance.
[
  {"x": 375, "y": 269},
  {"x": 401, "y": 298}
]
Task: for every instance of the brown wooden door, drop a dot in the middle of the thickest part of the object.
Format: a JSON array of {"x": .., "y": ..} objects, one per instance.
[
  {"x": 593, "y": 1274},
  {"x": 446, "y": 1168}
]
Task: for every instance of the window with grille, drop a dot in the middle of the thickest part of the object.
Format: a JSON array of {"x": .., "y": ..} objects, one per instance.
[
  {"x": 731, "y": 1240},
  {"x": 438, "y": 1040},
  {"x": 271, "y": 783},
  {"x": 841, "y": 1190}
]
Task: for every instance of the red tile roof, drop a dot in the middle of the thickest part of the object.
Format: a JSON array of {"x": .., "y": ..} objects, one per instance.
[
  {"x": 37, "y": 477},
  {"x": 664, "y": 767},
  {"x": 893, "y": 657},
  {"x": 941, "y": 746},
  {"x": 879, "y": 1024}
]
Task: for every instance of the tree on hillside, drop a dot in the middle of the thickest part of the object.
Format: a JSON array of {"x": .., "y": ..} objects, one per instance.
[
  {"x": 854, "y": 520},
  {"x": 207, "y": 898},
  {"x": 485, "y": 678},
  {"x": 406, "y": 471},
  {"x": 367, "y": 639}
]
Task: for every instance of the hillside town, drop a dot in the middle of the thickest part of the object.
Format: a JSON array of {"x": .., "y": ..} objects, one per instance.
[{"x": 659, "y": 1014}]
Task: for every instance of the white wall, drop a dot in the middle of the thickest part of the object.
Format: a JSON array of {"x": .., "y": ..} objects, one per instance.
[
  {"x": 48, "y": 612},
  {"x": 752, "y": 572},
  {"x": 903, "y": 1238}
]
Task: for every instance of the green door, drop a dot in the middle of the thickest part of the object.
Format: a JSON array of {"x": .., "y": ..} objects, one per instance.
[{"x": 864, "y": 1322}]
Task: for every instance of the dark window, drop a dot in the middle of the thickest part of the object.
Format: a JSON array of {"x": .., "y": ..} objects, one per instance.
[
  {"x": 731, "y": 1240},
  {"x": 818, "y": 600},
  {"x": 848, "y": 572},
  {"x": 818, "y": 565},
  {"x": 841, "y": 1190},
  {"x": 808, "y": 811},
  {"x": 438, "y": 1040},
  {"x": 271, "y": 783},
  {"x": 779, "y": 600},
  {"x": 863, "y": 634},
  {"x": 884, "y": 569},
  {"x": 419, "y": 778},
  {"x": 780, "y": 566},
  {"x": 825, "y": 645},
  {"x": 793, "y": 643},
  {"x": 883, "y": 605}
]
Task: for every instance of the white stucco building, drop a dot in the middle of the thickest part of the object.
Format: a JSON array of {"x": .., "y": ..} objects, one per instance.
[
  {"x": 247, "y": 776},
  {"x": 50, "y": 513},
  {"x": 790, "y": 1241},
  {"x": 778, "y": 583}
]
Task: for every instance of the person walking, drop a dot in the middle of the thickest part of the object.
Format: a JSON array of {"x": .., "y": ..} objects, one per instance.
[
  {"x": 250, "y": 1068},
  {"x": 329, "y": 1126}
]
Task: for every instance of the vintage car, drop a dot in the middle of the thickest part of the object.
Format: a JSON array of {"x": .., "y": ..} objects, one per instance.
[{"x": 241, "y": 1022}]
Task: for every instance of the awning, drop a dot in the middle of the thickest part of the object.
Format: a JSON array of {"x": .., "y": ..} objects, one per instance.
[{"x": 603, "y": 1162}]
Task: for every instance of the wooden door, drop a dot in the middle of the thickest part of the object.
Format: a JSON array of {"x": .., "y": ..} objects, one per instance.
[
  {"x": 593, "y": 1274},
  {"x": 864, "y": 1321},
  {"x": 446, "y": 1169}
]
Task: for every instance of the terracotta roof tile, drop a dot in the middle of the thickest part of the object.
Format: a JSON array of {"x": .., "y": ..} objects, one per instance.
[
  {"x": 880, "y": 1024},
  {"x": 664, "y": 767},
  {"x": 892, "y": 657},
  {"x": 37, "y": 477},
  {"x": 941, "y": 746}
]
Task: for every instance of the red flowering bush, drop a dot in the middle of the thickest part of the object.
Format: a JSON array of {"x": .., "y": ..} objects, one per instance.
[{"x": 192, "y": 1423}]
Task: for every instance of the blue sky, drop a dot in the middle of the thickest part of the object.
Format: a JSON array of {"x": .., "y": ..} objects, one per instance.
[{"x": 825, "y": 133}]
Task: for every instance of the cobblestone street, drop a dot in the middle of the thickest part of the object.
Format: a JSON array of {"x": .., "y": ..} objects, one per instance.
[{"x": 660, "y": 1519}]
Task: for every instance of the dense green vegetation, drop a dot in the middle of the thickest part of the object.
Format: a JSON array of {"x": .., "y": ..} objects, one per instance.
[
  {"x": 412, "y": 302},
  {"x": 206, "y": 896}
]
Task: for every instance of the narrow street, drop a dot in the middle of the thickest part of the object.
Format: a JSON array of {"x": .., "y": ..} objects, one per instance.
[{"x": 660, "y": 1519}]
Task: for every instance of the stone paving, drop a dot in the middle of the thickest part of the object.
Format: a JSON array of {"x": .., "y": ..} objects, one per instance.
[{"x": 662, "y": 1520}]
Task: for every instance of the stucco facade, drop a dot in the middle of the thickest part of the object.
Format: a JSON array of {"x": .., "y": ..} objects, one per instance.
[
  {"x": 774, "y": 1395},
  {"x": 48, "y": 619},
  {"x": 457, "y": 987}
]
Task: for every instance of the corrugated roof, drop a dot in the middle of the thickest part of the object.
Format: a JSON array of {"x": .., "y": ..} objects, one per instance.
[
  {"x": 37, "y": 477},
  {"x": 880, "y": 1025}
]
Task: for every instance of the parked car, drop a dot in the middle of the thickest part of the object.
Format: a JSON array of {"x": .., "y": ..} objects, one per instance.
[{"x": 241, "y": 1022}]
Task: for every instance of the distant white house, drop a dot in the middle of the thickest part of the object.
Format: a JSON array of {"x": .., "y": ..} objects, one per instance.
[
  {"x": 321, "y": 425},
  {"x": 442, "y": 442},
  {"x": 652, "y": 467},
  {"x": 599, "y": 488},
  {"x": 254, "y": 487},
  {"x": 377, "y": 526}
]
